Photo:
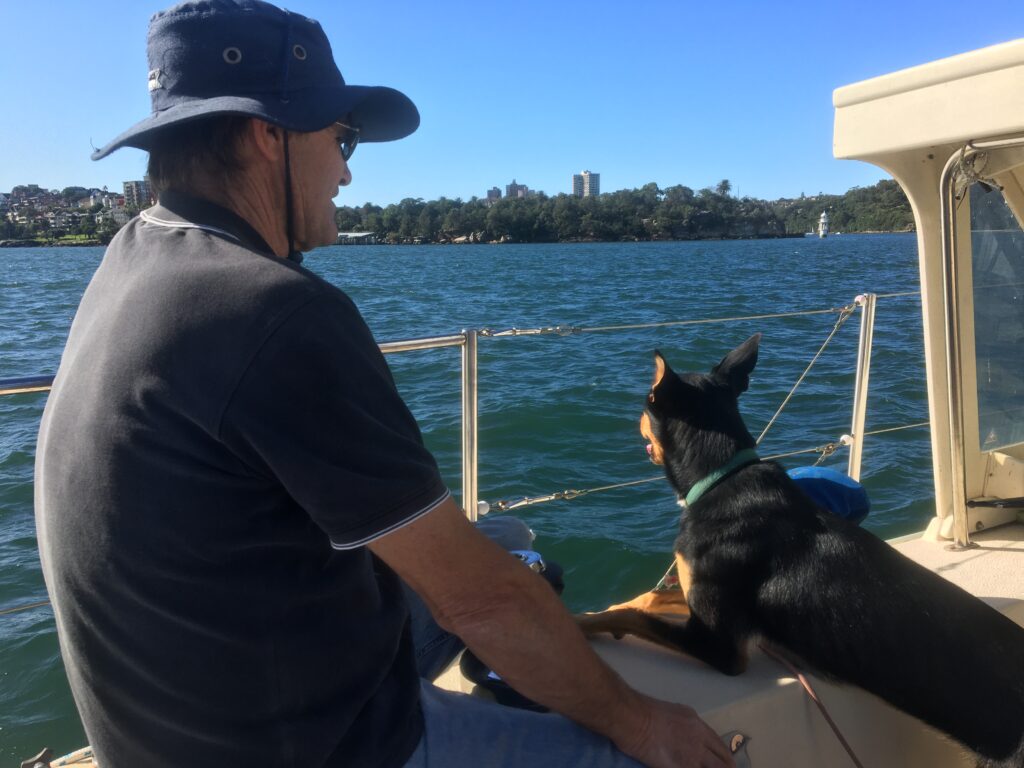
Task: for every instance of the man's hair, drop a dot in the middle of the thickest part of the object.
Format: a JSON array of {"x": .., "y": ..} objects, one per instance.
[{"x": 201, "y": 151}]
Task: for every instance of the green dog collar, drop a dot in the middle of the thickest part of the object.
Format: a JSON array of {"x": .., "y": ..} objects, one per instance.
[{"x": 740, "y": 460}]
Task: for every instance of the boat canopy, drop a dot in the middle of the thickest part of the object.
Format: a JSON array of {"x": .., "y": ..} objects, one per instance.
[
  {"x": 952, "y": 135},
  {"x": 974, "y": 95}
]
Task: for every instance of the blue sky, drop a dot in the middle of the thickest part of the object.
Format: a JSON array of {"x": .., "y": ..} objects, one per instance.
[{"x": 669, "y": 91}]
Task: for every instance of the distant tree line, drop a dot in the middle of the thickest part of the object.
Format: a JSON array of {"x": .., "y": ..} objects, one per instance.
[
  {"x": 881, "y": 208},
  {"x": 647, "y": 213}
]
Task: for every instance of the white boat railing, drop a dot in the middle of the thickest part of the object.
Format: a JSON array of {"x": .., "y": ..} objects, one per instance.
[
  {"x": 866, "y": 302},
  {"x": 467, "y": 341}
]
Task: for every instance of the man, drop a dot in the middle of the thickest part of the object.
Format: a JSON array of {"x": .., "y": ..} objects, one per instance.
[{"x": 229, "y": 486}]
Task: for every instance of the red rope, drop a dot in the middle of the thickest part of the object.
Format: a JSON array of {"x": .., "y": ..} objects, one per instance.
[{"x": 814, "y": 697}]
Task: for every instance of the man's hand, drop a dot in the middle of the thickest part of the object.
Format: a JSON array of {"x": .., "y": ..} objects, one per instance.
[{"x": 675, "y": 737}]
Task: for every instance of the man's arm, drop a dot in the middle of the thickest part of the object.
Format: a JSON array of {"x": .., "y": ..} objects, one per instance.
[{"x": 514, "y": 622}]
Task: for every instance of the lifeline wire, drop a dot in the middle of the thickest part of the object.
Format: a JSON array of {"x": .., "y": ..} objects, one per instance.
[
  {"x": 19, "y": 608},
  {"x": 826, "y": 450},
  {"x": 897, "y": 429},
  {"x": 567, "y": 330},
  {"x": 503, "y": 505}
]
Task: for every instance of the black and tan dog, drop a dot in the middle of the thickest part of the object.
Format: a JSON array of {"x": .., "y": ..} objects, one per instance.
[{"x": 758, "y": 559}]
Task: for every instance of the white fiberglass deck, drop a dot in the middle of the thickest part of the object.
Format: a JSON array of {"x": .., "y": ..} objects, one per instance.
[
  {"x": 993, "y": 571},
  {"x": 767, "y": 704},
  {"x": 785, "y": 728}
]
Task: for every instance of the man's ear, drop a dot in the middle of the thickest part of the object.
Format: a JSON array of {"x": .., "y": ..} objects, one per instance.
[
  {"x": 736, "y": 366},
  {"x": 264, "y": 139}
]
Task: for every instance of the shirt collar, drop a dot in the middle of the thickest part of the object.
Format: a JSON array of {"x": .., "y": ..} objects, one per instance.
[{"x": 180, "y": 206}]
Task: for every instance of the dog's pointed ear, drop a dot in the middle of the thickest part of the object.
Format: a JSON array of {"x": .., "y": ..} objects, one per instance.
[
  {"x": 661, "y": 369},
  {"x": 736, "y": 366}
]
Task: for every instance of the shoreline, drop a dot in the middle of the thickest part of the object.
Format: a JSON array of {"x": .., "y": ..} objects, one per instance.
[
  {"x": 795, "y": 236},
  {"x": 50, "y": 244}
]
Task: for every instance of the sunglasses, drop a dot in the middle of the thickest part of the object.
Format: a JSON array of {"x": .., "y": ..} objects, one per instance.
[{"x": 348, "y": 141}]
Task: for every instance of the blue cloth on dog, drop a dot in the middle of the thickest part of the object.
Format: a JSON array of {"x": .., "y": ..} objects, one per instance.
[{"x": 834, "y": 491}]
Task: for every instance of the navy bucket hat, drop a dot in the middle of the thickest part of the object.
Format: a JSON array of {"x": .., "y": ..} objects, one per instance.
[{"x": 246, "y": 57}]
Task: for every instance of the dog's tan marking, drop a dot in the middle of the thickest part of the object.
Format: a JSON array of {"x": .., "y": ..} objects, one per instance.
[
  {"x": 683, "y": 572},
  {"x": 630, "y": 621},
  {"x": 666, "y": 602},
  {"x": 654, "y": 449}
]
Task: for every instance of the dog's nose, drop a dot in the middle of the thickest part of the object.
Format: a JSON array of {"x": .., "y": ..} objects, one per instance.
[{"x": 650, "y": 449}]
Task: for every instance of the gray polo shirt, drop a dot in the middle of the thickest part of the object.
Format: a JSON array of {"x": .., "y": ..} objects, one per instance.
[{"x": 222, "y": 439}]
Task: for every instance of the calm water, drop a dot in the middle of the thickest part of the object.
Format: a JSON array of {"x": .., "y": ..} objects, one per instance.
[{"x": 555, "y": 412}]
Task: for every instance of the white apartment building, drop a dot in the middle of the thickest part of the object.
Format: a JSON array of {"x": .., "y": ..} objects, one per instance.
[{"x": 586, "y": 184}]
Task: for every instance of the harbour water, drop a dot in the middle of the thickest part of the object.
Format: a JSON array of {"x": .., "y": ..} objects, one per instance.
[{"x": 556, "y": 412}]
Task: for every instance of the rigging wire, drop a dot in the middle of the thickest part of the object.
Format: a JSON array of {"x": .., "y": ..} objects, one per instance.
[{"x": 844, "y": 315}]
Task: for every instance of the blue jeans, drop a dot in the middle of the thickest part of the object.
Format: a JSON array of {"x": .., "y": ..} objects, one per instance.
[{"x": 462, "y": 730}]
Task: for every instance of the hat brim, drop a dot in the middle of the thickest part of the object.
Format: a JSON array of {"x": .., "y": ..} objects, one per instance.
[{"x": 382, "y": 114}]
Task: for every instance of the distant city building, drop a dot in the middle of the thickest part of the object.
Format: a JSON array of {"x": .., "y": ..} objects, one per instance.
[
  {"x": 516, "y": 190},
  {"x": 119, "y": 216},
  {"x": 137, "y": 194},
  {"x": 59, "y": 219},
  {"x": 99, "y": 197},
  {"x": 586, "y": 184},
  {"x": 493, "y": 194}
]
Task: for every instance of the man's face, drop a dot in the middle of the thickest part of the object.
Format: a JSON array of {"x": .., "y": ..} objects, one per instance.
[{"x": 318, "y": 169}]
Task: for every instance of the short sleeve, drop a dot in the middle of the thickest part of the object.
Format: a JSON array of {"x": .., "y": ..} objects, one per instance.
[{"x": 317, "y": 409}]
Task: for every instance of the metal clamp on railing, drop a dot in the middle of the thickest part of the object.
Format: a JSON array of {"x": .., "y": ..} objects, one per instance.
[{"x": 503, "y": 505}]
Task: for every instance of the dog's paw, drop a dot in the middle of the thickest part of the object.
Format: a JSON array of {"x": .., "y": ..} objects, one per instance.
[
  {"x": 669, "y": 603},
  {"x": 614, "y": 623}
]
